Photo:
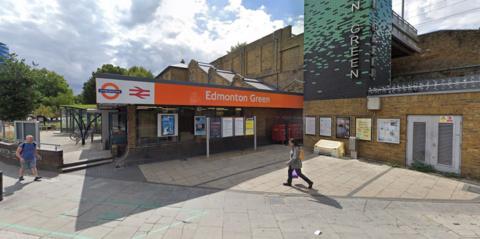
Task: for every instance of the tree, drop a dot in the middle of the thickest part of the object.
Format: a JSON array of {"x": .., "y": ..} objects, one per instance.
[
  {"x": 45, "y": 111},
  {"x": 139, "y": 71},
  {"x": 52, "y": 89},
  {"x": 236, "y": 47},
  {"x": 17, "y": 97},
  {"x": 89, "y": 96}
]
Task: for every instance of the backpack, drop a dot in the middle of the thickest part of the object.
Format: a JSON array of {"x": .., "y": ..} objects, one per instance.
[
  {"x": 22, "y": 145},
  {"x": 301, "y": 154}
]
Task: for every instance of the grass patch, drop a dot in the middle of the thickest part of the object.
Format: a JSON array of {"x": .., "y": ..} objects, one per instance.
[
  {"x": 419, "y": 166},
  {"x": 82, "y": 106}
]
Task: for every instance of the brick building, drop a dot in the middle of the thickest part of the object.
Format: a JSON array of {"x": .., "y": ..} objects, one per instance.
[
  {"x": 421, "y": 105},
  {"x": 274, "y": 61}
]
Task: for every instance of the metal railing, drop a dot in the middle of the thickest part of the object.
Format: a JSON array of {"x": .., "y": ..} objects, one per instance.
[
  {"x": 463, "y": 83},
  {"x": 402, "y": 23},
  {"x": 55, "y": 147}
]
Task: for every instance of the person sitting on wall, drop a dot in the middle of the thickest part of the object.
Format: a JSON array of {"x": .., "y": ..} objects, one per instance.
[
  {"x": 295, "y": 163},
  {"x": 27, "y": 154}
]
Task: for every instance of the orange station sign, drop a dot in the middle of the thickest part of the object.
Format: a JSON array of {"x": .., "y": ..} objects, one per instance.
[
  {"x": 177, "y": 94},
  {"x": 124, "y": 91}
]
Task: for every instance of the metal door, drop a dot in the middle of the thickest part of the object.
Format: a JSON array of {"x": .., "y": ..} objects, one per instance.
[{"x": 435, "y": 141}]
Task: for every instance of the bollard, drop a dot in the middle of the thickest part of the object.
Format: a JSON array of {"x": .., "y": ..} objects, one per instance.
[{"x": 1, "y": 186}]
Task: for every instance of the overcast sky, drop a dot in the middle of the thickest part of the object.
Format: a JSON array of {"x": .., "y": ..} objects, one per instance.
[{"x": 73, "y": 38}]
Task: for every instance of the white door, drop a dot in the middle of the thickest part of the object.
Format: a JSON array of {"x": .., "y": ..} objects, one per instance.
[{"x": 436, "y": 141}]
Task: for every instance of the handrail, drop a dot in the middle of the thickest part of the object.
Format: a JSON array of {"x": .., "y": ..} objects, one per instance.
[
  {"x": 54, "y": 145},
  {"x": 400, "y": 18}
]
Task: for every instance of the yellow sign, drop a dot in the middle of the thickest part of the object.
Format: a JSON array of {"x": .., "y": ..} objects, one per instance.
[
  {"x": 363, "y": 128},
  {"x": 249, "y": 127},
  {"x": 446, "y": 119}
]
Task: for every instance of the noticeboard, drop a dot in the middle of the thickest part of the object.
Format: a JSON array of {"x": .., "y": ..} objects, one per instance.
[
  {"x": 200, "y": 125},
  {"x": 343, "y": 127},
  {"x": 363, "y": 129},
  {"x": 310, "y": 128},
  {"x": 326, "y": 126},
  {"x": 167, "y": 125},
  {"x": 215, "y": 128},
  {"x": 249, "y": 126},
  {"x": 239, "y": 126},
  {"x": 227, "y": 127},
  {"x": 388, "y": 131}
]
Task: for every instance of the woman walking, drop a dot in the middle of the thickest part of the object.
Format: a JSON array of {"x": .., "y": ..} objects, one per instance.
[{"x": 295, "y": 163}]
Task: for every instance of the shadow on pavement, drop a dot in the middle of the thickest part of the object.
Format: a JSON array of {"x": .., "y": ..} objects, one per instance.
[
  {"x": 112, "y": 194},
  {"x": 320, "y": 198},
  {"x": 10, "y": 190}
]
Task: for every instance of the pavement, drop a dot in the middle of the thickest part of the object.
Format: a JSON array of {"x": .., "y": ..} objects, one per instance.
[
  {"x": 239, "y": 195},
  {"x": 73, "y": 152}
]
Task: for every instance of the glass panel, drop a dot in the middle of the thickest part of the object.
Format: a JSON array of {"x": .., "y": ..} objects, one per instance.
[
  {"x": 419, "y": 141},
  {"x": 445, "y": 144}
]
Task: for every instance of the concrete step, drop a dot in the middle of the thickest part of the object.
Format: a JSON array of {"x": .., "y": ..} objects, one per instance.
[{"x": 85, "y": 164}]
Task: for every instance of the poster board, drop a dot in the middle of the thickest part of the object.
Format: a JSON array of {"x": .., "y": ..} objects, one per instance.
[
  {"x": 239, "y": 126},
  {"x": 343, "y": 127},
  {"x": 215, "y": 128},
  {"x": 200, "y": 125},
  {"x": 388, "y": 131},
  {"x": 167, "y": 125},
  {"x": 249, "y": 130},
  {"x": 227, "y": 127},
  {"x": 310, "y": 128},
  {"x": 326, "y": 126},
  {"x": 363, "y": 129}
]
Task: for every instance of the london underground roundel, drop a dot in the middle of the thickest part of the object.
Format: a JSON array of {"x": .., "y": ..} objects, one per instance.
[{"x": 110, "y": 91}]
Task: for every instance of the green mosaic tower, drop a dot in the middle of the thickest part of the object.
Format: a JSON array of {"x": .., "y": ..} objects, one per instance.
[{"x": 347, "y": 47}]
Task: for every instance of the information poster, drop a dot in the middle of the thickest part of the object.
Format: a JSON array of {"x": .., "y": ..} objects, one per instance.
[
  {"x": 167, "y": 125},
  {"x": 239, "y": 126},
  {"x": 200, "y": 125},
  {"x": 249, "y": 127},
  {"x": 310, "y": 128},
  {"x": 215, "y": 128},
  {"x": 388, "y": 131},
  {"x": 326, "y": 126},
  {"x": 363, "y": 129},
  {"x": 227, "y": 127},
  {"x": 343, "y": 127}
]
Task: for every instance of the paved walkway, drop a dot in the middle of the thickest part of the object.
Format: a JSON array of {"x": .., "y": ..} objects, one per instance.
[
  {"x": 263, "y": 171},
  {"x": 353, "y": 200},
  {"x": 73, "y": 152}
]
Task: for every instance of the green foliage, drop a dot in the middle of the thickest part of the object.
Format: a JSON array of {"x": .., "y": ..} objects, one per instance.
[
  {"x": 83, "y": 106},
  {"x": 419, "y": 166},
  {"x": 52, "y": 89},
  {"x": 46, "y": 111},
  {"x": 17, "y": 91},
  {"x": 139, "y": 71},
  {"x": 88, "y": 95},
  {"x": 237, "y": 46}
]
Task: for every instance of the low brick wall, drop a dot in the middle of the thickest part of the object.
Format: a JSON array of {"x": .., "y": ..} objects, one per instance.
[{"x": 51, "y": 160}]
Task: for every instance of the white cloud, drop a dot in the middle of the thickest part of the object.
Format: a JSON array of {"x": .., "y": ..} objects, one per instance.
[
  {"x": 74, "y": 38},
  {"x": 432, "y": 15}
]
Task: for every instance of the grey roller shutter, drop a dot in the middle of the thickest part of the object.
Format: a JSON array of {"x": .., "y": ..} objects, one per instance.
[{"x": 445, "y": 144}]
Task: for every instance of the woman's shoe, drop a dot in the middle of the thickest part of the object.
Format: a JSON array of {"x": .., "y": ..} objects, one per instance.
[
  {"x": 310, "y": 185},
  {"x": 287, "y": 184}
]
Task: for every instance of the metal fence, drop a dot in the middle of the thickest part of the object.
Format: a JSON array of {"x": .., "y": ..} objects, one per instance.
[{"x": 462, "y": 83}]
